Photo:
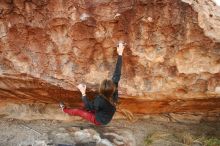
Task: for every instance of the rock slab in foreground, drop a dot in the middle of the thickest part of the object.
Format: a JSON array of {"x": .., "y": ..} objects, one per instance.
[{"x": 93, "y": 136}]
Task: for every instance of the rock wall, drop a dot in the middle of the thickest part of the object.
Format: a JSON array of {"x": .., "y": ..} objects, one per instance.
[
  {"x": 208, "y": 16},
  {"x": 172, "y": 54}
]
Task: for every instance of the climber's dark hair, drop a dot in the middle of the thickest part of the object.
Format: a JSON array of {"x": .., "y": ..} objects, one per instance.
[{"x": 107, "y": 89}]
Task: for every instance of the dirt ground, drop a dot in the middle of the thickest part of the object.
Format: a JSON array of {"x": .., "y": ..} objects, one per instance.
[{"x": 145, "y": 132}]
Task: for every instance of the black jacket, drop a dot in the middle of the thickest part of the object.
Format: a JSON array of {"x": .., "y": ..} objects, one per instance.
[{"x": 104, "y": 110}]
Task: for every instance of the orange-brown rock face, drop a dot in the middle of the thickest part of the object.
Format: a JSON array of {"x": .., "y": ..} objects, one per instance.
[{"x": 171, "y": 62}]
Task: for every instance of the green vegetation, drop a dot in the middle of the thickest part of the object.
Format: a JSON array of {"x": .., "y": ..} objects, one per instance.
[
  {"x": 184, "y": 138},
  {"x": 148, "y": 141},
  {"x": 156, "y": 136},
  {"x": 211, "y": 141}
]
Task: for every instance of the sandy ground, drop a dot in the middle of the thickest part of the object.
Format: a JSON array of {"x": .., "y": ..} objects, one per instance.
[{"x": 146, "y": 132}]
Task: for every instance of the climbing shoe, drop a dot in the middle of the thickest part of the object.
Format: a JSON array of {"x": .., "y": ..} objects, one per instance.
[{"x": 62, "y": 106}]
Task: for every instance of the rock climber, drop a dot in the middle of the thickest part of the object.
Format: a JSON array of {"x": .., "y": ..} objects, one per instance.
[{"x": 100, "y": 110}]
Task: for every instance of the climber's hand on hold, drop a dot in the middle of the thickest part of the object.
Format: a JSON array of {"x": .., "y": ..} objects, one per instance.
[
  {"x": 82, "y": 88},
  {"x": 120, "y": 48}
]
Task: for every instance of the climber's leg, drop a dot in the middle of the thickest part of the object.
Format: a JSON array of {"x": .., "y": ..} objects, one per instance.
[{"x": 89, "y": 116}]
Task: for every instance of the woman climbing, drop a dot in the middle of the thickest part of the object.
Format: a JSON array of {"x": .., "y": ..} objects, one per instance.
[{"x": 101, "y": 110}]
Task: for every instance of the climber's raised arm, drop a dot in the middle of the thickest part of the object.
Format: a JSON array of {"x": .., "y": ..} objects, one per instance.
[{"x": 117, "y": 72}]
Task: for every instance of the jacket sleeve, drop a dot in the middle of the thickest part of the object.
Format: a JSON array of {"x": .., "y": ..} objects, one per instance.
[
  {"x": 117, "y": 72},
  {"x": 91, "y": 105},
  {"x": 116, "y": 77}
]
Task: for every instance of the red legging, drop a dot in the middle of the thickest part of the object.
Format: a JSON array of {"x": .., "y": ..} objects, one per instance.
[{"x": 88, "y": 115}]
